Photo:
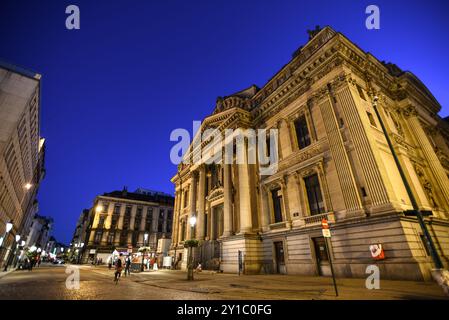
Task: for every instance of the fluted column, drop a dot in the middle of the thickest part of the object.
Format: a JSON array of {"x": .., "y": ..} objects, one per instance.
[
  {"x": 264, "y": 206},
  {"x": 227, "y": 207},
  {"x": 284, "y": 189},
  {"x": 429, "y": 153},
  {"x": 245, "y": 194},
  {"x": 192, "y": 200},
  {"x": 175, "y": 220},
  {"x": 201, "y": 202}
]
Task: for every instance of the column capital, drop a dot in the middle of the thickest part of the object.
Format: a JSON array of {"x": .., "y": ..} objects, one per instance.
[{"x": 410, "y": 111}]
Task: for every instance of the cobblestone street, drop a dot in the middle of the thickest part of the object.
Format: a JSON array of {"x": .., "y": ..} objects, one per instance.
[{"x": 49, "y": 282}]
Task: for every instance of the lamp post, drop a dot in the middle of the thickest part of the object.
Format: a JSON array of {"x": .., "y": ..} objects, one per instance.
[
  {"x": 192, "y": 222},
  {"x": 145, "y": 238},
  {"x": 5, "y": 235},
  {"x": 80, "y": 252},
  {"x": 16, "y": 250},
  {"x": 433, "y": 252}
]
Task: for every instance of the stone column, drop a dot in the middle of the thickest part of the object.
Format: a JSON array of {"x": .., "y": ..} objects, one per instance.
[
  {"x": 351, "y": 197},
  {"x": 227, "y": 207},
  {"x": 120, "y": 224},
  {"x": 175, "y": 221},
  {"x": 302, "y": 201},
  {"x": 201, "y": 202},
  {"x": 192, "y": 200},
  {"x": 245, "y": 195},
  {"x": 264, "y": 206},
  {"x": 144, "y": 219},
  {"x": 212, "y": 224},
  {"x": 155, "y": 219},
  {"x": 428, "y": 152},
  {"x": 285, "y": 203}
]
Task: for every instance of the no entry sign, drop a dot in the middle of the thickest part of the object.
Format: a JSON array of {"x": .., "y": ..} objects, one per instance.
[{"x": 325, "y": 226}]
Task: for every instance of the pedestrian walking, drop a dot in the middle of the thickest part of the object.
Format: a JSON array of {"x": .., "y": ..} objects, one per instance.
[
  {"x": 31, "y": 264},
  {"x": 127, "y": 265}
]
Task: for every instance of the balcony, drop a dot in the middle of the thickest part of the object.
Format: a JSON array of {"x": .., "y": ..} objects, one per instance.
[{"x": 316, "y": 219}]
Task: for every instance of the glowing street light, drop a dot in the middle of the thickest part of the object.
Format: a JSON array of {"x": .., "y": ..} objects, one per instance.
[
  {"x": 8, "y": 227},
  {"x": 99, "y": 208},
  {"x": 17, "y": 238},
  {"x": 192, "y": 222},
  {"x": 28, "y": 186}
]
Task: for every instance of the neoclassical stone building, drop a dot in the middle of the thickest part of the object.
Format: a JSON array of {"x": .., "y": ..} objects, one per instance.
[
  {"x": 334, "y": 162},
  {"x": 119, "y": 221}
]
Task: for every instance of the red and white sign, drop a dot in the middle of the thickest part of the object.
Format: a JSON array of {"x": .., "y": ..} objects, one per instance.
[
  {"x": 324, "y": 223},
  {"x": 377, "y": 251},
  {"x": 325, "y": 228}
]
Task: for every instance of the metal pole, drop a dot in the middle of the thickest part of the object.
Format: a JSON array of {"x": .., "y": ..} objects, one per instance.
[
  {"x": 190, "y": 258},
  {"x": 332, "y": 266},
  {"x": 12, "y": 253},
  {"x": 433, "y": 252}
]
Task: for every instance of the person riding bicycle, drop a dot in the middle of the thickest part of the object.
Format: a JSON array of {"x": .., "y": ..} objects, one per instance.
[{"x": 118, "y": 268}]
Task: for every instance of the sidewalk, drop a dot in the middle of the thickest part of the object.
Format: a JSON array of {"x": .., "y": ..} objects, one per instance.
[
  {"x": 232, "y": 286},
  {"x": 4, "y": 273}
]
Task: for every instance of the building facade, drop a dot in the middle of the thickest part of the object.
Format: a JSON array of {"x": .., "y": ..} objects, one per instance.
[
  {"x": 39, "y": 233},
  {"x": 120, "y": 219},
  {"x": 22, "y": 153},
  {"x": 334, "y": 163}
]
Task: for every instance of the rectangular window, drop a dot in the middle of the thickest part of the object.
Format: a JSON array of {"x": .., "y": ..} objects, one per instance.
[
  {"x": 316, "y": 204},
  {"x": 276, "y": 196},
  {"x": 138, "y": 219},
  {"x": 98, "y": 236},
  {"x": 114, "y": 221},
  {"x": 101, "y": 222},
  {"x": 105, "y": 207},
  {"x": 160, "y": 223},
  {"x": 371, "y": 119},
  {"x": 424, "y": 242},
  {"x": 149, "y": 219},
  {"x": 183, "y": 230},
  {"x": 186, "y": 198},
  {"x": 361, "y": 94},
  {"x": 302, "y": 132},
  {"x": 117, "y": 209},
  {"x": 111, "y": 237}
]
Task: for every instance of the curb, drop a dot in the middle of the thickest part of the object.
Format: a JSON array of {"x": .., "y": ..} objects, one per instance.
[{"x": 5, "y": 273}]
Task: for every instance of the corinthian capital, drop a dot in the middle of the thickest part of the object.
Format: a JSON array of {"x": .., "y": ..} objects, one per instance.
[{"x": 409, "y": 111}]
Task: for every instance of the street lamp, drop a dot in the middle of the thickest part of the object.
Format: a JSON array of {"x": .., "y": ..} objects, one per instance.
[
  {"x": 16, "y": 251},
  {"x": 145, "y": 238},
  {"x": 98, "y": 208},
  {"x": 192, "y": 222},
  {"x": 28, "y": 186},
  {"x": 4, "y": 238},
  {"x": 80, "y": 251}
]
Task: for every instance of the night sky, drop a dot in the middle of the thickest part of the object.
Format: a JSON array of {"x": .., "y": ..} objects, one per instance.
[{"x": 114, "y": 90}]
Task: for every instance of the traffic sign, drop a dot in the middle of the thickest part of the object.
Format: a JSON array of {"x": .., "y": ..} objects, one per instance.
[
  {"x": 326, "y": 233},
  {"x": 324, "y": 224}
]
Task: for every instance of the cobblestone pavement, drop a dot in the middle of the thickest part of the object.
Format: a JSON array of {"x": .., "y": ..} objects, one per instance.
[{"x": 49, "y": 282}]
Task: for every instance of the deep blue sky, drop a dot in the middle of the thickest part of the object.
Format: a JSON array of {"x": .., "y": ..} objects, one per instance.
[{"x": 114, "y": 90}]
